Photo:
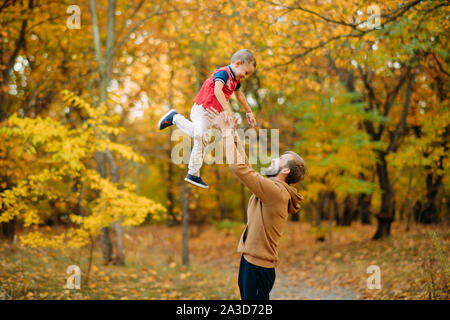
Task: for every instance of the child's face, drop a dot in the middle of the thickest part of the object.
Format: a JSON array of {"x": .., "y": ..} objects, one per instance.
[{"x": 243, "y": 70}]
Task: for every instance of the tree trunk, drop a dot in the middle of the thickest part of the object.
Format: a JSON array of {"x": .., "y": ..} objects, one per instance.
[
  {"x": 386, "y": 214},
  {"x": 417, "y": 211},
  {"x": 104, "y": 237},
  {"x": 106, "y": 245},
  {"x": 387, "y": 210},
  {"x": 364, "y": 210},
  {"x": 9, "y": 229},
  {"x": 410, "y": 214},
  {"x": 119, "y": 257},
  {"x": 185, "y": 225},
  {"x": 334, "y": 214},
  {"x": 406, "y": 205},
  {"x": 383, "y": 228},
  {"x": 429, "y": 212},
  {"x": 6, "y": 72},
  {"x": 320, "y": 212},
  {"x": 335, "y": 211},
  {"x": 170, "y": 195},
  {"x": 434, "y": 183},
  {"x": 78, "y": 187},
  {"x": 104, "y": 70},
  {"x": 347, "y": 213}
]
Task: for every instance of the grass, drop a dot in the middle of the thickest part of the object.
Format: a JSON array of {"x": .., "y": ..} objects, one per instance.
[
  {"x": 414, "y": 265},
  {"x": 401, "y": 259},
  {"x": 38, "y": 273}
]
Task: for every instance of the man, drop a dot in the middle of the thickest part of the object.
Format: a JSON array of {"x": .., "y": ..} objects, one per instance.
[{"x": 268, "y": 208}]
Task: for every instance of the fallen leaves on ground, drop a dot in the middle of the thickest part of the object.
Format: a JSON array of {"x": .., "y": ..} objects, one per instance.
[{"x": 154, "y": 270}]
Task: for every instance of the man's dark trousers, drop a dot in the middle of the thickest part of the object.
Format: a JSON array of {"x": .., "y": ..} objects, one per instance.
[{"x": 255, "y": 282}]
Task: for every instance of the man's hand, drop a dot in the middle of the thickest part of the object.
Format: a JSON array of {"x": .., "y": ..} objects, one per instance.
[
  {"x": 233, "y": 120},
  {"x": 221, "y": 120},
  {"x": 251, "y": 119}
]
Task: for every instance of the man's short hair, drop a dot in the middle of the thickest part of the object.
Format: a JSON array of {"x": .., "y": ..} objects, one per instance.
[
  {"x": 297, "y": 167},
  {"x": 245, "y": 56}
]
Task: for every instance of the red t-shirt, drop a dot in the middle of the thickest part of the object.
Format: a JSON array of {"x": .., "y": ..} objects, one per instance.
[{"x": 206, "y": 96}]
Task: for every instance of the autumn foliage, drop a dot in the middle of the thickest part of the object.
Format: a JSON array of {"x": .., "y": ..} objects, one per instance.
[{"x": 358, "y": 89}]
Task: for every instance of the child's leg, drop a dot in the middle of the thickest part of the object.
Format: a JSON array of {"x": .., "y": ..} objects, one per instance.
[
  {"x": 184, "y": 124},
  {"x": 200, "y": 125}
]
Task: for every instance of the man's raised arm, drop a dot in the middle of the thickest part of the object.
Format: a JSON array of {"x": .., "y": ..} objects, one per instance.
[{"x": 263, "y": 188}]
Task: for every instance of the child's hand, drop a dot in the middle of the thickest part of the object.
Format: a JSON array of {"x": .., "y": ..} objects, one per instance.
[{"x": 251, "y": 119}]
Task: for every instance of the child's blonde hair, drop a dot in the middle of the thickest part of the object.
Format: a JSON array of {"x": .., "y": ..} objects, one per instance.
[{"x": 245, "y": 56}]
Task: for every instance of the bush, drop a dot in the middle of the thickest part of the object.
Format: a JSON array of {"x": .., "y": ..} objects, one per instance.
[
  {"x": 436, "y": 271},
  {"x": 230, "y": 227}
]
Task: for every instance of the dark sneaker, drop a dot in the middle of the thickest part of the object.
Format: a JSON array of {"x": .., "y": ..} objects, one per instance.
[
  {"x": 196, "y": 181},
  {"x": 167, "y": 119}
]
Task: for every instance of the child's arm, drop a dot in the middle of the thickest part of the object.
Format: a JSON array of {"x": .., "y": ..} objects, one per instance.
[
  {"x": 218, "y": 85},
  {"x": 248, "y": 111}
]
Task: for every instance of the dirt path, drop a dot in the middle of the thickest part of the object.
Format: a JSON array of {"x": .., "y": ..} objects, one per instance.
[{"x": 289, "y": 289}]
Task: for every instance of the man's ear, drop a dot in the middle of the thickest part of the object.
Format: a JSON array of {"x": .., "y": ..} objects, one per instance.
[{"x": 285, "y": 171}]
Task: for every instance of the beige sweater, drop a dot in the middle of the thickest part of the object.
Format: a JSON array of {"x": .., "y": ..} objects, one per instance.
[{"x": 268, "y": 208}]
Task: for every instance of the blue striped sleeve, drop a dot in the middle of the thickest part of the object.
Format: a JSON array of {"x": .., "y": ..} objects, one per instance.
[{"x": 221, "y": 76}]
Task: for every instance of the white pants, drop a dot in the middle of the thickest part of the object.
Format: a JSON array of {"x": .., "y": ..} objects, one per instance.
[{"x": 197, "y": 129}]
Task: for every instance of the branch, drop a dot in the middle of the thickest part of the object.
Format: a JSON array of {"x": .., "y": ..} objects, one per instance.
[
  {"x": 401, "y": 10},
  {"x": 5, "y": 4},
  {"x": 112, "y": 166},
  {"x": 120, "y": 43},
  {"x": 137, "y": 26},
  {"x": 300, "y": 8},
  {"x": 45, "y": 21},
  {"x": 130, "y": 17},
  {"x": 390, "y": 17},
  {"x": 19, "y": 43},
  {"x": 369, "y": 88},
  {"x": 441, "y": 68},
  {"x": 321, "y": 45},
  {"x": 110, "y": 36},
  {"x": 97, "y": 41},
  {"x": 391, "y": 96},
  {"x": 401, "y": 124}
]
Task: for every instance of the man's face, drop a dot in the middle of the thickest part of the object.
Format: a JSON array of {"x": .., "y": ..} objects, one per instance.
[
  {"x": 243, "y": 70},
  {"x": 278, "y": 164}
]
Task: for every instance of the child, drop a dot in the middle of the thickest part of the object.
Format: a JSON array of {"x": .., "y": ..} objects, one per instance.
[{"x": 215, "y": 94}]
